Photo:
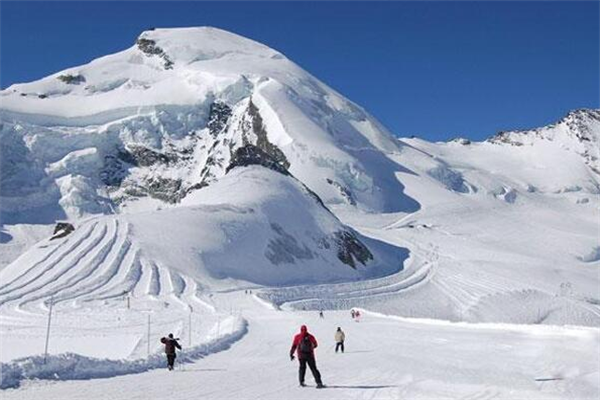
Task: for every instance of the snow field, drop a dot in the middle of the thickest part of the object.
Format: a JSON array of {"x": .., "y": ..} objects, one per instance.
[{"x": 386, "y": 358}]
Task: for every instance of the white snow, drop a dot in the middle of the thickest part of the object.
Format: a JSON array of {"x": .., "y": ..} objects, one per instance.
[
  {"x": 484, "y": 277},
  {"x": 385, "y": 358}
]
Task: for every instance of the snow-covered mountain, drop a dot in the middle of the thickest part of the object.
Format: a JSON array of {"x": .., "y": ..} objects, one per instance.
[
  {"x": 167, "y": 116},
  {"x": 198, "y": 163}
]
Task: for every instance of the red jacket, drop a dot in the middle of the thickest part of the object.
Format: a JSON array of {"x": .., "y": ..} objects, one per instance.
[{"x": 296, "y": 343}]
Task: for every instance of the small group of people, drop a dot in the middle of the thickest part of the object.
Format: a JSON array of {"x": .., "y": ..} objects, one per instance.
[
  {"x": 355, "y": 314},
  {"x": 304, "y": 345}
]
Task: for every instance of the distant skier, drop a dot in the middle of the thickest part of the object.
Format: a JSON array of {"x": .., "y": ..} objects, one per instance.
[
  {"x": 321, "y": 314},
  {"x": 353, "y": 313},
  {"x": 170, "y": 345},
  {"x": 304, "y": 345},
  {"x": 340, "y": 336}
]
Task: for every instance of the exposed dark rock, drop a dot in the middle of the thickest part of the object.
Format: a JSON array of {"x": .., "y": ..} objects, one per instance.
[
  {"x": 262, "y": 141},
  {"x": 135, "y": 191},
  {"x": 218, "y": 117},
  {"x": 461, "y": 140},
  {"x": 578, "y": 122},
  {"x": 504, "y": 137},
  {"x": 144, "y": 157},
  {"x": 114, "y": 170},
  {"x": 61, "y": 230},
  {"x": 71, "y": 79},
  {"x": 149, "y": 47},
  {"x": 116, "y": 165},
  {"x": 252, "y": 155},
  {"x": 42, "y": 96},
  {"x": 315, "y": 197},
  {"x": 165, "y": 189},
  {"x": 196, "y": 186},
  {"x": 285, "y": 249},
  {"x": 350, "y": 249},
  {"x": 126, "y": 157},
  {"x": 344, "y": 191}
]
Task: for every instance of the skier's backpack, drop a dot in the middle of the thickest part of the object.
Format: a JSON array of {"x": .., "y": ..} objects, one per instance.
[{"x": 306, "y": 345}]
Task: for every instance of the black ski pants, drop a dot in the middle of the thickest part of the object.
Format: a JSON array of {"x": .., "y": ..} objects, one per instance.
[
  {"x": 170, "y": 360},
  {"x": 312, "y": 364},
  {"x": 338, "y": 346}
]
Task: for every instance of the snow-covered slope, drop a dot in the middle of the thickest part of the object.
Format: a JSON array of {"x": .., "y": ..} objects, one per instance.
[
  {"x": 511, "y": 231},
  {"x": 198, "y": 165},
  {"x": 283, "y": 231},
  {"x": 166, "y": 116}
]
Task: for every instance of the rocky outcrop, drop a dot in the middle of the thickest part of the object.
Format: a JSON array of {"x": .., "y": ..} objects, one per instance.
[
  {"x": 165, "y": 189},
  {"x": 578, "y": 131},
  {"x": 351, "y": 250},
  {"x": 262, "y": 141},
  {"x": 233, "y": 136},
  {"x": 149, "y": 47},
  {"x": 252, "y": 155},
  {"x": 61, "y": 230},
  {"x": 141, "y": 156},
  {"x": 344, "y": 191},
  {"x": 461, "y": 140},
  {"x": 71, "y": 79},
  {"x": 218, "y": 118}
]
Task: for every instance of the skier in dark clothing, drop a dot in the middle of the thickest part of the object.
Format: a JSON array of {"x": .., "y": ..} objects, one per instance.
[
  {"x": 170, "y": 345},
  {"x": 304, "y": 345}
]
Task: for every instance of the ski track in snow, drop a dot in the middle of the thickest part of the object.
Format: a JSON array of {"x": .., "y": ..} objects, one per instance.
[{"x": 386, "y": 358}]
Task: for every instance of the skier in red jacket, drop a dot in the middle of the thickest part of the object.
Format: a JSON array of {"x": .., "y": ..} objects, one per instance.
[{"x": 304, "y": 345}]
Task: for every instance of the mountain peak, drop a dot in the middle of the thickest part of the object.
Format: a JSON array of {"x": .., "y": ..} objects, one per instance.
[
  {"x": 189, "y": 45},
  {"x": 578, "y": 131}
]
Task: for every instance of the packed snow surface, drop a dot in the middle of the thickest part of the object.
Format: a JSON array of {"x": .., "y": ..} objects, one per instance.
[{"x": 385, "y": 357}]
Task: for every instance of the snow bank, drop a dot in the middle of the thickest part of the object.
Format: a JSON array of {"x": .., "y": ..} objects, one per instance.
[
  {"x": 70, "y": 366},
  {"x": 542, "y": 330}
]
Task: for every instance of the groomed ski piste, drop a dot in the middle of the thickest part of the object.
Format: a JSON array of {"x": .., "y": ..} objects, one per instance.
[
  {"x": 474, "y": 265},
  {"x": 238, "y": 343},
  {"x": 386, "y": 358}
]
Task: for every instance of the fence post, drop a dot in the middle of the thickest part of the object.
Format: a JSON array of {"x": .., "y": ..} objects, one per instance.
[
  {"x": 48, "y": 328},
  {"x": 148, "y": 335},
  {"x": 190, "y": 330}
]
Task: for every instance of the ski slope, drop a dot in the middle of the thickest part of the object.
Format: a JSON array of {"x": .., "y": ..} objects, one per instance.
[
  {"x": 386, "y": 357},
  {"x": 197, "y": 165}
]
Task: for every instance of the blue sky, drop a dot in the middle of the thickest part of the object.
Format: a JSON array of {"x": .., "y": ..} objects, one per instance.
[{"x": 432, "y": 69}]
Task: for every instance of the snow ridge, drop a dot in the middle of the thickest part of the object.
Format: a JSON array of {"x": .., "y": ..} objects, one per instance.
[{"x": 70, "y": 366}]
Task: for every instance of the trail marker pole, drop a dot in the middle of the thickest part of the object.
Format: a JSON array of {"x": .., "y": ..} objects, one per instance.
[
  {"x": 190, "y": 330},
  {"x": 48, "y": 329},
  {"x": 148, "y": 335}
]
